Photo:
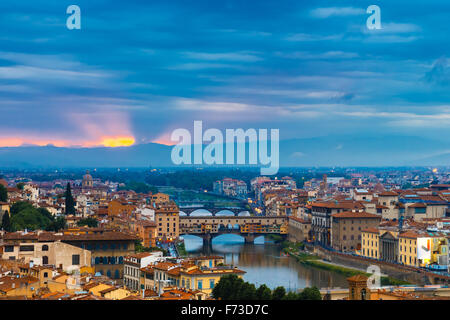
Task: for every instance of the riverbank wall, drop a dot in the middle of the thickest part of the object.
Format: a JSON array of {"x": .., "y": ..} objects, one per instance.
[{"x": 411, "y": 275}]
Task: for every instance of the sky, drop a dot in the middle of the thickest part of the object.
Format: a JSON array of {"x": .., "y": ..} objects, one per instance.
[{"x": 137, "y": 70}]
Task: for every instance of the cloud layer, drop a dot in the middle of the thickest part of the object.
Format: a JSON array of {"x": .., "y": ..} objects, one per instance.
[{"x": 138, "y": 70}]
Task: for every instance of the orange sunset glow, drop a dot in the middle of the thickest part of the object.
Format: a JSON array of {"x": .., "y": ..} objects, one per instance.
[
  {"x": 118, "y": 141},
  {"x": 108, "y": 141}
]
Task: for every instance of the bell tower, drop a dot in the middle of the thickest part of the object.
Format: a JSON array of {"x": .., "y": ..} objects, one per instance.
[{"x": 357, "y": 288}]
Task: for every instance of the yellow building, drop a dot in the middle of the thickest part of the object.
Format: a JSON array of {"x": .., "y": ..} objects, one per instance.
[
  {"x": 115, "y": 293},
  {"x": 167, "y": 221},
  {"x": 407, "y": 248},
  {"x": 194, "y": 274},
  {"x": 160, "y": 198},
  {"x": 370, "y": 239},
  {"x": 11, "y": 286},
  {"x": 204, "y": 280},
  {"x": 414, "y": 248},
  {"x": 95, "y": 290}
]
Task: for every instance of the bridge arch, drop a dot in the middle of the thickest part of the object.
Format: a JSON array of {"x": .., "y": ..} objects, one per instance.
[
  {"x": 225, "y": 213},
  {"x": 201, "y": 213}
]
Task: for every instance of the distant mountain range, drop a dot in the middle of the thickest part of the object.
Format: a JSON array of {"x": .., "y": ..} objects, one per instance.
[{"x": 320, "y": 151}]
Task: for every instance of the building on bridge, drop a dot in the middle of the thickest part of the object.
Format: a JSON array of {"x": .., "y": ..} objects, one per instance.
[
  {"x": 167, "y": 219},
  {"x": 248, "y": 227}
]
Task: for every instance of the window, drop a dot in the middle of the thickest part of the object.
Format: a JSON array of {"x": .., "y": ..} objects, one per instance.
[
  {"x": 420, "y": 210},
  {"x": 200, "y": 284},
  {"x": 363, "y": 294},
  {"x": 9, "y": 248},
  {"x": 45, "y": 247},
  {"x": 44, "y": 260},
  {"x": 26, "y": 248},
  {"x": 211, "y": 283},
  {"x": 75, "y": 259}
]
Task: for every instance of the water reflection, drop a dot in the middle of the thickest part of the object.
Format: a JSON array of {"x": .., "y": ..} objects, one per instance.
[
  {"x": 264, "y": 263},
  {"x": 226, "y": 213}
]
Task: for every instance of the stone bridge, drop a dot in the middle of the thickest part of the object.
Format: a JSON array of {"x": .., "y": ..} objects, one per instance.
[
  {"x": 213, "y": 210},
  {"x": 212, "y": 226}
]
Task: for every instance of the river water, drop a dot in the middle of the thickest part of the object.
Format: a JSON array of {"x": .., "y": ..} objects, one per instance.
[{"x": 264, "y": 263}]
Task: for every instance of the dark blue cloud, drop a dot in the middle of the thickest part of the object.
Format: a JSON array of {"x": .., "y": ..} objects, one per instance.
[{"x": 159, "y": 65}]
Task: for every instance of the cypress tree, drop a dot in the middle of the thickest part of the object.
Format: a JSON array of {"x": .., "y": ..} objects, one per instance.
[
  {"x": 70, "y": 203},
  {"x": 3, "y": 194},
  {"x": 6, "y": 222}
]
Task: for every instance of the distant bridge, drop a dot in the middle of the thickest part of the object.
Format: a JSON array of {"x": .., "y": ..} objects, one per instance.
[
  {"x": 214, "y": 210},
  {"x": 213, "y": 207},
  {"x": 248, "y": 227}
]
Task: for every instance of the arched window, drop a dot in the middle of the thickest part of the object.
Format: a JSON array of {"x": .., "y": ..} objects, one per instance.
[
  {"x": 97, "y": 260},
  {"x": 108, "y": 273},
  {"x": 45, "y": 247},
  {"x": 117, "y": 274},
  {"x": 120, "y": 260},
  {"x": 363, "y": 294}
]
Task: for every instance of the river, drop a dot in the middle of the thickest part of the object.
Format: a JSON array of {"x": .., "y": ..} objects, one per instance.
[{"x": 264, "y": 263}]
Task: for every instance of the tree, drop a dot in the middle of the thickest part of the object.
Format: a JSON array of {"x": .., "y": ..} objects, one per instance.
[
  {"x": 3, "y": 193},
  {"x": 229, "y": 287},
  {"x": 291, "y": 296},
  {"x": 90, "y": 222},
  {"x": 278, "y": 293},
  {"x": 263, "y": 293},
  {"x": 20, "y": 185},
  {"x": 57, "y": 224},
  {"x": 70, "y": 203},
  {"x": 20, "y": 206},
  {"x": 6, "y": 222},
  {"x": 247, "y": 291},
  {"x": 30, "y": 218},
  {"x": 310, "y": 294},
  {"x": 139, "y": 187},
  {"x": 25, "y": 216}
]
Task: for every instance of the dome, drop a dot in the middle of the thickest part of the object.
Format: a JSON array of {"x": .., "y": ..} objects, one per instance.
[
  {"x": 87, "y": 176},
  {"x": 88, "y": 182}
]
